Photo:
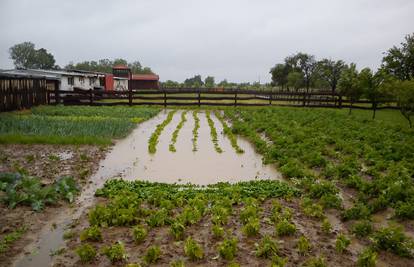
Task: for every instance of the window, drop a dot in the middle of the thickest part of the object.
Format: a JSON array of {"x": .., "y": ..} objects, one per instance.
[
  {"x": 92, "y": 81},
  {"x": 81, "y": 80},
  {"x": 70, "y": 81}
]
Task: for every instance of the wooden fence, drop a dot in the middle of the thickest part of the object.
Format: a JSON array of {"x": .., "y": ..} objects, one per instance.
[
  {"x": 20, "y": 93},
  {"x": 207, "y": 97}
]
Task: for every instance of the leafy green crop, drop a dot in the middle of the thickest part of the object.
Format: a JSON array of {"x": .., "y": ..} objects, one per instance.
[
  {"x": 116, "y": 252},
  {"x": 153, "y": 141},
  {"x": 86, "y": 253},
  {"x": 213, "y": 133},
  {"x": 193, "y": 250},
  {"x": 92, "y": 233},
  {"x": 342, "y": 242},
  {"x": 139, "y": 233},
  {"x": 229, "y": 133},
  {"x": 153, "y": 254},
  {"x": 266, "y": 248},
  {"x": 10, "y": 238},
  {"x": 176, "y": 131},
  {"x": 228, "y": 248},
  {"x": 195, "y": 130}
]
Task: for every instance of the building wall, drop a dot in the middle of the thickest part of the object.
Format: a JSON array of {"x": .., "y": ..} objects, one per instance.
[
  {"x": 143, "y": 84},
  {"x": 79, "y": 82},
  {"x": 120, "y": 85}
]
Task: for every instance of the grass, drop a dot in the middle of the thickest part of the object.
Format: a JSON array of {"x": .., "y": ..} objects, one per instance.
[{"x": 71, "y": 124}]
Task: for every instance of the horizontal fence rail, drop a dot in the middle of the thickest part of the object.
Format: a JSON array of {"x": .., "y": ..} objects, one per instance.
[{"x": 209, "y": 97}]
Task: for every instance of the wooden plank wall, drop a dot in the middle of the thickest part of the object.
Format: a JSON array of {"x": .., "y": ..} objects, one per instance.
[{"x": 22, "y": 93}]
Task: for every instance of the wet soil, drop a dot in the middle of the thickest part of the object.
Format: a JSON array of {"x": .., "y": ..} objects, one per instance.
[{"x": 48, "y": 163}]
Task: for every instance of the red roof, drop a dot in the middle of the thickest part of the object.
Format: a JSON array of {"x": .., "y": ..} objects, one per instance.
[
  {"x": 120, "y": 67},
  {"x": 145, "y": 77}
]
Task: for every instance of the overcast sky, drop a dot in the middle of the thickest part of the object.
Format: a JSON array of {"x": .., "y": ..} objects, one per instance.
[{"x": 235, "y": 39}]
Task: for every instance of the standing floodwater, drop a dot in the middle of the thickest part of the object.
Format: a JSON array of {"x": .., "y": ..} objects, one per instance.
[{"x": 130, "y": 157}]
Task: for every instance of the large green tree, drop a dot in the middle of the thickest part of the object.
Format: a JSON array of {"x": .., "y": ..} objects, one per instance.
[
  {"x": 25, "y": 55},
  {"x": 306, "y": 64},
  {"x": 349, "y": 84},
  {"x": 399, "y": 61},
  {"x": 209, "y": 82},
  {"x": 195, "y": 81},
  {"x": 330, "y": 71},
  {"x": 280, "y": 74}
]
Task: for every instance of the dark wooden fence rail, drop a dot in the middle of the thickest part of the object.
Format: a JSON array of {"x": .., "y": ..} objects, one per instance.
[
  {"x": 207, "y": 97},
  {"x": 21, "y": 93}
]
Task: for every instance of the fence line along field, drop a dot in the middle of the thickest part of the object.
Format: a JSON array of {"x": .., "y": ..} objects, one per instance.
[{"x": 346, "y": 197}]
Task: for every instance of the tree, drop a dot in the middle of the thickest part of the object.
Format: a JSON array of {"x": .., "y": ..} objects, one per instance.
[
  {"x": 280, "y": 74},
  {"x": 349, "y": 85},
  {"x": 24, "y": 55},
  {"x": 403, "y": 92},
  {"x": 330, "y": 71},
  {"x": 399, "y": 61},
  {"x": 372, "y": 86},
  {"x": 105, "y": 65},
  {"x": 170, "y": 84},
  {"x": 195, "y": 81},
  {"x": 295, "y": 79},
  {"x": 209, "y": 82},
  {"x": 306, "y": 64}
]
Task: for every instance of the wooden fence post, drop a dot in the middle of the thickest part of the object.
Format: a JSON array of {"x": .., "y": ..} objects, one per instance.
[
  {"x": 304, "y": 99},
  {"x": 165, "y": 99},
  {"x": 90, "y": 96},
  {"x": 235, "y": 98},
  {"x": 57, "y": 94},
  {"x": 199, "y": 98},
  {"x": 270, "y": 98},
  {"x": 130, "y": 96},
  {"x": 340, "y": 101}
]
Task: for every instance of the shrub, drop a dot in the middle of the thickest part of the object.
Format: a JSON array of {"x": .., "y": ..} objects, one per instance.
[
  {"x": 252, "y": 227},
  {"x": 92, "y": 233},
  {"x": 115, "y": 252},
  {"x": 153, "y": 254},
  {"x": 227, "y": 249},
  {"x": 304, "y": 245},
  {"x": 342, "y": 242},
  {"x": 362, "y": 228},
  {"x": 367, "y": 258},
  {"x": 393, "y": 239},
  {"x": 86, "y": 253},
  {"x": 284, "y": 228},
  {"x": 266, "y": 248},
  {"x": 193, "y": 250},
  {"x": 139, "y": 233}
]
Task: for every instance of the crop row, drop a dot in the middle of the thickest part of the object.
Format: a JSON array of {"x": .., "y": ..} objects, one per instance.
[
  {"x": 213, "y": 133},
  {"x": 176, "y": 131},
  {"x": 195, "y": 129},
  {"x": 153, "y": 141},
  {"x": 228, "y": 132}
]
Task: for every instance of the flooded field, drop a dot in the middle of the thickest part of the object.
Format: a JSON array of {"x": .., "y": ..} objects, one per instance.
[{"x": 129, "y": 159}]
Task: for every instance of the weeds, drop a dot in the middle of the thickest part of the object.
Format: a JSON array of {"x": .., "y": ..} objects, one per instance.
[
  {"x": 228, "y": 248},
  {"x": 86, "y": 253},
  {"x": 341, "y": 243},
  {"x": 153, "y": 255}
]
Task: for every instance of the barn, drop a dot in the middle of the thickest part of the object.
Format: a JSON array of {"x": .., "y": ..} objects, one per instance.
[{"x": 136, "y": 81}]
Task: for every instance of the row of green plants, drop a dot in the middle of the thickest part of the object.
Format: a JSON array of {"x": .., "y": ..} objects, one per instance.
[
  {"x": 153, "y": 141},
  {"x": 228, "y": 132},
  {"x": 176, "y": 131},
  {"x": 195, "y": 130},
  {"x": 71, "y": 125},
  {"x": 20, "y": 189},
  {"x": 213, "y": 133},
  {"x": 9, "y": 239}
]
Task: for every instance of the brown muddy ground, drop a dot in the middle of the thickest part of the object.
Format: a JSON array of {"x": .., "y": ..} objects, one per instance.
[
  {"x": 322, "y": 244},
  {"x": 47, "y": 162}
]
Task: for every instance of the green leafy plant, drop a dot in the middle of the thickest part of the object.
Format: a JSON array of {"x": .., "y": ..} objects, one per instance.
[
  {"x": 195, "y": 130},
  {"x": 367, "y": 258},
  {"x": 177, "y": 230},
  {"x": 266, "y": 248},
  {"x": 227, "y": 131},
  {"x": 218, "y": 231},
  {"x": 139, "y": 233},
  {"x": 153, "y": 141},
  {"x": 285, "y": 228},
  {"x": 252, "y": 227},
  {"x": 326, "y": 226},
  {"x": 393, "y": 239},
  {"x": 153, "y": 254},
  {"x": 92, "y": 233},
  {"x": 193, "y": 250},
  {"x": 304, "y": 245},
  {"x": 316, "y": 262},
  {"x": 362, "y": 228},
  {"x": 213, "y": 133},
  {"x": 177, "y": 263},
  {"x": 116, "y": 252},
  {"x": 86, "y": 253},
  {"x": 10, "y": 238},
  {"x": 278, "y": 261},
  {"x": 341, "y": 243},
  {"x": 228, "y": 248},
  {"x": 176, "y": 131}
]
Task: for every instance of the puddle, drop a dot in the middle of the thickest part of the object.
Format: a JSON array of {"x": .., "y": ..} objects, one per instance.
[{"x": 130, "y": 159}]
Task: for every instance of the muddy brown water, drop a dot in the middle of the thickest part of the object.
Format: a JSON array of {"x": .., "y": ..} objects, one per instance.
[{"x": 130, "y": 160}]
